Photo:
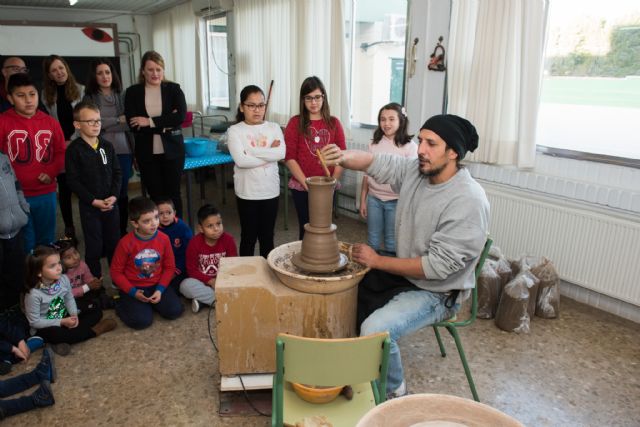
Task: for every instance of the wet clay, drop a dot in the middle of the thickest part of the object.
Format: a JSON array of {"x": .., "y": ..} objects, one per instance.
[{"x": 320, "y": 250}]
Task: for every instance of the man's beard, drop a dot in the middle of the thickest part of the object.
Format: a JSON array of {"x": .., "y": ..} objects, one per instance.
[{"x": 433, "y": 172}]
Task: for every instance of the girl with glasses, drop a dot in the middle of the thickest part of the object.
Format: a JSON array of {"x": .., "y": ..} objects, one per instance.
[
  {"x": 256, "y": 146},
  {"x": 305, "y": 134}
]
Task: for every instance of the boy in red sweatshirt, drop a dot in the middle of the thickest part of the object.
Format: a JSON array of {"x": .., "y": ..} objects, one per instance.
[
  {"x": 35, "y": 145},
  {"x": 203, "y": 257},
  {"x": 142, "y": 268}
]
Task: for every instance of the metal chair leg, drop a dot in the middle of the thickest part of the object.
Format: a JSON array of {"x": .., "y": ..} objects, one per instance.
[
  {"x": 442, "y": 350},
  {"x": 454, "y": 333}
]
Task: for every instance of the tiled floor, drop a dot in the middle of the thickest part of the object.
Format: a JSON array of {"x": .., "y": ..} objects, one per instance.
[{"x": 582, "y": 369}]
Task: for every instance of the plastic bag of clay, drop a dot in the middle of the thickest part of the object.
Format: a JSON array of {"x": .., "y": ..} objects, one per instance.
[
  {"x": 489, "y": 289},
  {"x": 503, "y": 268},
  {"x": 513, "y": 314},
  {"x": 495, "y": 252},
  {"x": 548, "y": 301},
  {"x": 526, "y": 263}
]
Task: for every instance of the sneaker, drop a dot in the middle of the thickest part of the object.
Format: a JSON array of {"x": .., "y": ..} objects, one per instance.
[
  {"x": 399, "y": 392},
  {"x": 46, "y": 369},
  {"x": 103, "y": 326},
  {"x": 195, "y": 305},
  {"x": 5, "y": 367},
  {"x": 43, "y": 396},
  {"x": 61, "y": 349},
  {"x": 35, "y": 342}
]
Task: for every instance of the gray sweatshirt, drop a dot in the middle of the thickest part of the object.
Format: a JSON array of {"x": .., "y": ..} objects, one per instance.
[
  {"x": 445, "y": 224},
  {"x": 46, "y": 307},
  {"x": 14, "y": 208}
]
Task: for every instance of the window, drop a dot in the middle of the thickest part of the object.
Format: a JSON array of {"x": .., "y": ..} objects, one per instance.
[
  {"x": 217, "y": 62},
  {"x": 376, "y": 35},
  {"x": 590, "y": 99}
]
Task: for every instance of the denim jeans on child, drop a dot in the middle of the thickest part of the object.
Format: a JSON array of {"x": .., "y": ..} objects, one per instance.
[
  {"x": 406, "y": 313},
  {"x": 381, "y": 223},
  {"x": 41, "y": 228}
]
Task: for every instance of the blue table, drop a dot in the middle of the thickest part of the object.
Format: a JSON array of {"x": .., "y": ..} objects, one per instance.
[{"x": 212, "y": 157}]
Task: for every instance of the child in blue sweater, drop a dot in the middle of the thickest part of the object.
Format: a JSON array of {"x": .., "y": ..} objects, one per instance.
[{"x": 179, "y": 234}]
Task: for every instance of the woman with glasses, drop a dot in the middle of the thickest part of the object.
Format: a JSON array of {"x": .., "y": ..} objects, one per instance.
[
  {"x": 256, "y": 146},
  {"x": 305, "y": 134},
  {"x": 105, "y": 90},
  {"x": 61, "y": 93},
  {"x": 155, "y": 109}
]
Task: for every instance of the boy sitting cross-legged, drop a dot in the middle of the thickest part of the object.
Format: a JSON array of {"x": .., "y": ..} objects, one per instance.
[
  {"x": 203, "y": 257},
  {"x": 142, "y": 268}
]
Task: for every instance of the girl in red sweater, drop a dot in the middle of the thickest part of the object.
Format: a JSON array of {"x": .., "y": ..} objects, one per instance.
[{"x": 306, "y": 133}]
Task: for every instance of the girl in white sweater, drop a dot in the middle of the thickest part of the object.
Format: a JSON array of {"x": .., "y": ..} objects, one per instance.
[{"x": 256, "y": 146}]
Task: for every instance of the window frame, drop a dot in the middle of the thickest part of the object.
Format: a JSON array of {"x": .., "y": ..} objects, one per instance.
[{"x": 230, "y": 80}]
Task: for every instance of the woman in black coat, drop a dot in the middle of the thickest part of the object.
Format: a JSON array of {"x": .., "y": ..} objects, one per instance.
[{"x": 155, "y": 109}]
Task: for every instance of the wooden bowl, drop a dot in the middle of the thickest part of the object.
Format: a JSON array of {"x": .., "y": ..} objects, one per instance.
[{"x": 316, "y": 394}]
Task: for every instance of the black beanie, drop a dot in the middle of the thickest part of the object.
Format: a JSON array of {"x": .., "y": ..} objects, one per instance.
[{"x": 458, "y": 133}]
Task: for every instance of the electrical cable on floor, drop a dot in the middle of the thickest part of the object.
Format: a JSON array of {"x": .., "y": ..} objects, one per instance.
[{"x": 244, "y": 389}]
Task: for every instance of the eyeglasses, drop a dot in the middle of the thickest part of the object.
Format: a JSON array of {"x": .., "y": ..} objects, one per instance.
[
  {"x": 255, "y": 107},
  {"x": 316, "y": 98},
  {"x": 90, "y": 122},
  {"x": 16, "y": 69}
]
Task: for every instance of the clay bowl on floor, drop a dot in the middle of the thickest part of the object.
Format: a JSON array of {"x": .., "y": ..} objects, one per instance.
[
  {"x": 279, "y": 260},
  {"x": 434, "y": 410},
  {"x": 316, "y": 394}
]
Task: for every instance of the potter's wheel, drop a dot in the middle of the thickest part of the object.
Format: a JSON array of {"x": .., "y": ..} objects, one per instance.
[
  {"x": 319, "y": 268},
  {"x": 280, "y": 261}
]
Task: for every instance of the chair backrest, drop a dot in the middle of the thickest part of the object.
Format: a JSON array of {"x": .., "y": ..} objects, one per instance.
[
  {"x": 474, "y": 291},
  {"x": 332, "y": 362}
]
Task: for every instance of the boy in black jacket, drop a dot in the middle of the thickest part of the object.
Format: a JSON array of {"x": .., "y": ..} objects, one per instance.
[{"x": 93, "y": 173}]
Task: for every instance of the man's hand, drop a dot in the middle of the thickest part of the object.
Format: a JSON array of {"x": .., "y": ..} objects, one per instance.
[
  {"x": 155, "y": 297},
  {"x": 365, "y": 255},
  {"x": 332, "y": 154}
]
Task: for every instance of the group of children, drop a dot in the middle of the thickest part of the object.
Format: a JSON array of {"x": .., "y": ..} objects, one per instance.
[{"x": 160, "y": 258}]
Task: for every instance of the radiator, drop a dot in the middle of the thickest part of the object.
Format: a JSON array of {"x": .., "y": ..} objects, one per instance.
[{"x": 590, "y": 246}]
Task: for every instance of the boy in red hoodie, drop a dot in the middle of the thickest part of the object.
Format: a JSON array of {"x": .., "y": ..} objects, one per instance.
[
  {"x": 35, "y": 145},
  {"x": 142, "y": 268}
]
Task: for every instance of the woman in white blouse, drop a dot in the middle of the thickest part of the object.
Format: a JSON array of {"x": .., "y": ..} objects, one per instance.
[{"x": 256, "y": 146}]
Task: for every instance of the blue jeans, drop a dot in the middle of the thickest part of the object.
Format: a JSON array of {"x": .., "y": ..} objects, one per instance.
[
  {"x": 15, "y": 385},
  {"x": 403, "y": 314},
  {"x": 139, "y": 315},
  {"x": 381, "y": 222},
  {"x": 41, "y": 228}
]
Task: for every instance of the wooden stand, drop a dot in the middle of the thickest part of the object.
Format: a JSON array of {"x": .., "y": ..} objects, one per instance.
[{"x": 253, "y": 306}]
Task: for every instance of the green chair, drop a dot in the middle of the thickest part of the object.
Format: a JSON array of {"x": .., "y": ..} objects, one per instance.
[
  {"x": 452, "y": 324},
  {"x": 359, "y": 362}
]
